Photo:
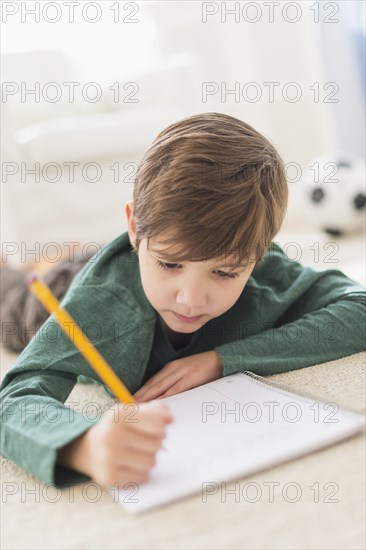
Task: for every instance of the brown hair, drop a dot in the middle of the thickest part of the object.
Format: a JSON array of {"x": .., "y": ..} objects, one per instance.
[{"x": 214, "y": 185}]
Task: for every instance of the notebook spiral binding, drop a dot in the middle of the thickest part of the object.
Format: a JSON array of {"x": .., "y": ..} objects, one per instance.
[{"x": 281, "y": 386}]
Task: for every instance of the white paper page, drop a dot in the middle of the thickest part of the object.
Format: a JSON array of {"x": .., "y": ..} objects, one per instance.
[{"x": 230, "y": 428}]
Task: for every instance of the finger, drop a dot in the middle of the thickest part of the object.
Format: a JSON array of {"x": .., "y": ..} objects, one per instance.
[
  {"x": 135, "y": 461},
  {"x": 144, "y": 443},
  {"x": 160, "y": 387},
  {"x": 148, "y": 385},
  {"x": 177, "y": 388},
  {"x": 156, "y": 379},
  {"x": 152, "y": 418}
]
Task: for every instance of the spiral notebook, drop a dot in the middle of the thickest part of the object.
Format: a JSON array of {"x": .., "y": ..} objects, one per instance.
[{"x": 230, "y": 428}]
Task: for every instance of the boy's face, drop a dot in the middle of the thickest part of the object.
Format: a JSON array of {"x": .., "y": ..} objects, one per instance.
[{"x": 197, "y": 290}]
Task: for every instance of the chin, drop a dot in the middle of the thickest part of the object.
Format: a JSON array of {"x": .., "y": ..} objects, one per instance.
[
  {"x": 185, "y": 329},
  {"x": 184, "y": 326}
]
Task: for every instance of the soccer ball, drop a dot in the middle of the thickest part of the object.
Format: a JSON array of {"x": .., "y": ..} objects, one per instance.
[{"x": 334, "y": 194}]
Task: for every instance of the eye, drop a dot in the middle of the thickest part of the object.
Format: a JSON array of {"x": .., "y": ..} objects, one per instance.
[
  {"x": 167, "y": 267},
  {"x": 172, "y": 267},
  {"x": 225, "y": 275}
]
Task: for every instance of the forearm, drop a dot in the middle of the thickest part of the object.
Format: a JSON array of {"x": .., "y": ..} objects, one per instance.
[
  {"x": 35, "y": 427},
  {"x": 332, "y": 332}
]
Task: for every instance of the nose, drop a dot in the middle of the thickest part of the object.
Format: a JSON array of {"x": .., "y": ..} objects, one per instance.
[{"x": 192, "y": 297}]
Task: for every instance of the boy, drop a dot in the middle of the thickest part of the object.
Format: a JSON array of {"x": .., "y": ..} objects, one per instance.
[{"x": 193, "y": 291}]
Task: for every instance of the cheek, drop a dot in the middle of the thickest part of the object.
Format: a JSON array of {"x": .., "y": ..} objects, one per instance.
[
  {"x": 152, "y": 285},
  {"x": 230, "y": 293}
]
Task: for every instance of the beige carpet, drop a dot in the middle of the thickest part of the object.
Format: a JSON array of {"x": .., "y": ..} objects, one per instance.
[{"x": 329, "y": 512}]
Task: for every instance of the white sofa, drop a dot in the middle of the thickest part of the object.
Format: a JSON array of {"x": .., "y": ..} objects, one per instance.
[{"x": 110, "y": 135}]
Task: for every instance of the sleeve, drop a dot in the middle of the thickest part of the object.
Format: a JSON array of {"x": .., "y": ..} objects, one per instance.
[
  {"x": 35, "y": 423},
  {"x": 325, "y": 320}
]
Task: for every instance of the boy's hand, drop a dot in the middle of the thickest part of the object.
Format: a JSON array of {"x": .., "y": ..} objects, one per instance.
[
  {"x": 121, "y": 447},
  {"x": 181, "y": 375}
]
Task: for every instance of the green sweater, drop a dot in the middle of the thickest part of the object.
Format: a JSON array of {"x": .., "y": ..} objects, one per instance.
[{"x": 287, "y": 317}]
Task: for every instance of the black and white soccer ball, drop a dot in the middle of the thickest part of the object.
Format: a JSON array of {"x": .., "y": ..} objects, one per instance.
[{"x": 334, "y": 193}]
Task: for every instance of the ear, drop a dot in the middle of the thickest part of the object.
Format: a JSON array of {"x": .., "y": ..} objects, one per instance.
[{"x": 131, "y": 223}]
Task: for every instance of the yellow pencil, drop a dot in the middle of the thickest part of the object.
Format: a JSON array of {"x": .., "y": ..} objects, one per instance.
[{"x": 81, "y": 341}]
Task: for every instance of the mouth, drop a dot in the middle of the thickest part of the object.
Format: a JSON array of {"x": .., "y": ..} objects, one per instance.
[{"x": 187, "y": 319}]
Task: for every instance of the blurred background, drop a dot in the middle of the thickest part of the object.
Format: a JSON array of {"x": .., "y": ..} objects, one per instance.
[{"x": 88, "y": 85}]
